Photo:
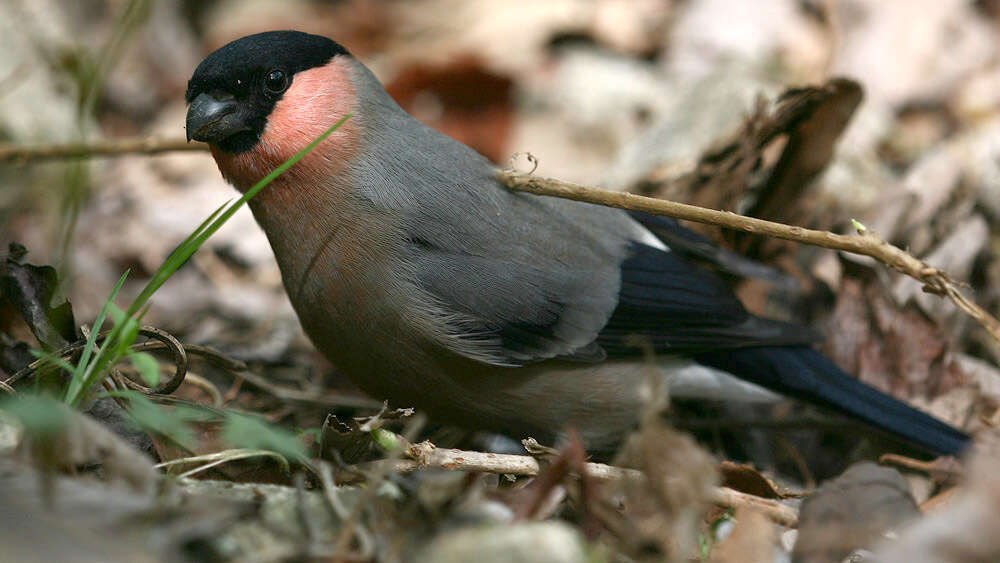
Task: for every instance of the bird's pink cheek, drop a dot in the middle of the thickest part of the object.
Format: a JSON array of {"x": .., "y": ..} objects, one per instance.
[{"x": 317, "y": 99}]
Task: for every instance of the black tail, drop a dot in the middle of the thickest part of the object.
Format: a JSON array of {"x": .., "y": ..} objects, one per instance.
[{"x": 803, "y": 373}]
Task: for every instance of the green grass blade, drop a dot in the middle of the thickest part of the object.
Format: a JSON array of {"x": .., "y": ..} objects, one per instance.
[
  {"x": 204, "y": 224},
  {"x": 88, "y": 348},
  {"x": 250, "y": 432},
  {"x": 210, "y": 226},
  {"x": 171, "y": 423},
  {"x": 147, "y": 366},
  {"x": 122, "y": 334},
  {"x": 109, "y": 353}
]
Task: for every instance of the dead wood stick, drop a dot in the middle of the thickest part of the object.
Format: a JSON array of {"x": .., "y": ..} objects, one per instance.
[
  {"x": 426, "y": 455},
  {"x": 775, "y": 511},
  {"x": 865, "y": 243},
  {"x": 109, "y": 147}
]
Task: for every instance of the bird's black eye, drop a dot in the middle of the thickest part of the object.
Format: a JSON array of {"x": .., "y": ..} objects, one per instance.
[{"x": 276, "y": 81}]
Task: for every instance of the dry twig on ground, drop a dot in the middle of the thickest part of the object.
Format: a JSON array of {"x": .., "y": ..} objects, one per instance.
[
  {"x": 865, "y": 243},
  {"x": 426, "y": 455},
  {"x": 110, "y": 147}
]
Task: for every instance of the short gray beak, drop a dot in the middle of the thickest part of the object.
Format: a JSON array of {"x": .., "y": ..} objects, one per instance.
[{"x": 212, "y": 120}]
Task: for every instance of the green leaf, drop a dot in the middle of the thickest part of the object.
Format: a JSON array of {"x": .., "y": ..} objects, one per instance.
[
  {"x": 192, "y": 413},
  {"x": 242, "y": 431},
  {"x": 389, "y": 441},
  {"x": 116, "y": 314},
  {"x": 148, "y": 367},
  {"x": 149, "y": 416},
  {"x": 41, "y": 416}
]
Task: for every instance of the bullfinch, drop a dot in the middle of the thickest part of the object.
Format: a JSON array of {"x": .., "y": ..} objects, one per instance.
[{"x": 429, "y": 284}]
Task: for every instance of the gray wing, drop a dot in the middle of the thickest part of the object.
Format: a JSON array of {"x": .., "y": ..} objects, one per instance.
[
  {"x": 506, "y": 278},
  {"x": 511, "y": 294}
]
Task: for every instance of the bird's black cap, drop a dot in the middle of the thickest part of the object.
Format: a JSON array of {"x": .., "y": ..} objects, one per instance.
[
  {"x": 229, "y": 96},
  {"x": 249, "y": 56}
]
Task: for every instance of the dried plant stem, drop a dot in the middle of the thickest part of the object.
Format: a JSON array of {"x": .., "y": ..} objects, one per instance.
[
  {"x": 218, "y": 458},
  {"x": 865, "y": 243},
  {"x": 110, "y": 147},
  {"x": 426, "y": 455},
  {"x": 775, "y": 511}
]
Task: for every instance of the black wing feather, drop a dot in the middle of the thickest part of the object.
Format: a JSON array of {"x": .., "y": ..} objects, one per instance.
[
  {"x": 692, "y": 245},
  {"x": 677, "y": 307}
]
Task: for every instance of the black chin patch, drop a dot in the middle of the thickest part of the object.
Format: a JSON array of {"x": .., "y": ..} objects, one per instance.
[{"x": 240, "y": 142}]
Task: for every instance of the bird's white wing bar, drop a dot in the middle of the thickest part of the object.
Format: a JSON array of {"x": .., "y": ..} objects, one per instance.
[
  {"x": 689, "y": 380},
  {"x": 645, "y": 236}
]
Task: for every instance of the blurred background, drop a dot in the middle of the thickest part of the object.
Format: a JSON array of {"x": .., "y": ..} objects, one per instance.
[{"x": 616, "y": 93}]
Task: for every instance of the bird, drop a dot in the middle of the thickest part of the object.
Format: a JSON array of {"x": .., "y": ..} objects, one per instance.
[{"x": 429, "y": 284}]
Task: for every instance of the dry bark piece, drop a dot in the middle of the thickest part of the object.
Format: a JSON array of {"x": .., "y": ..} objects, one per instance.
[
  {"x": 34, "y": 292},
  {"x": 351, "y": 440},
  {"x": 894, "y": 348},
  {"x": 540, "y": 542},
  {"x": 810, "y": 120},
  {"x": 666, "y": 502},
  {"x": 90, "y": 522},
  {"x": 811, "y": 142},
  {"x": 340, "y": 441},
  {"x": 746, "y": 478},
  {"x": 967, "y": 528}
]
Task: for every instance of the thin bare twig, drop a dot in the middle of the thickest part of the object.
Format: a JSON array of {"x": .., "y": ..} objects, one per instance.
[
  {"x": 941, "y": 469},
  {"x": 331, "y": 399},
  {"x": 110, "y": 147},
  {"x": 218, "y": 458},
  {"x": 163, "y": 340},
  {"x": 210, "y": 388},
  {"x": 426, "y": 455},
  {"x": 865, "y": 243},
  {"x": 243, "y": 372}
]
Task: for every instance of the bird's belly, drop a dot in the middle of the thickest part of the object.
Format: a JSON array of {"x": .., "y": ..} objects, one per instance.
[
  {"x": 379, "y": 353},
  {"x": 601, "y": 402}
]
